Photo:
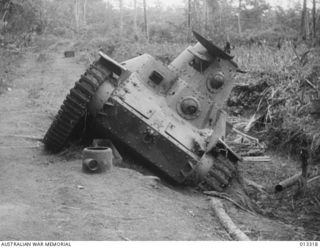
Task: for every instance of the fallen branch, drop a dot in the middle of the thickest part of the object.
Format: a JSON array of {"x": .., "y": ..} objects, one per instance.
[
  {"x": 311, "y": 84},
  {"x": 313, "y": 179},
  {"x": 259, "y": 187},
  {"x": 226, "y": 197},
  {"x": 226, "y": 221},
  {"x": 251, "y": 122}
]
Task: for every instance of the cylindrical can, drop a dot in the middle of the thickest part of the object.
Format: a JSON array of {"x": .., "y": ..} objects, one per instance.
[{"x": 97, "y": 159}]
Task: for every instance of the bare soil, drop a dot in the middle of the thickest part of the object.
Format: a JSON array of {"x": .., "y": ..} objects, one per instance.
[{"x": 48, "y": 197}]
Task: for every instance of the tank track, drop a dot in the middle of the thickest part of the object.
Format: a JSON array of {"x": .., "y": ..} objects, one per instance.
[
  {"x": 74, "y": 106},
  {"x": 220, "y": 174}
]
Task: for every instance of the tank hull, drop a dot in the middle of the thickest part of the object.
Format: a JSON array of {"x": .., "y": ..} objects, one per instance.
[
  {"x": 171, "y": 116},
  {"x": 144, "y": 140}
]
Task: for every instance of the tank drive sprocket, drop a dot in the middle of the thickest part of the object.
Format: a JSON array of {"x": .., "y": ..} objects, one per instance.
[{"x": 74, "y": 107}]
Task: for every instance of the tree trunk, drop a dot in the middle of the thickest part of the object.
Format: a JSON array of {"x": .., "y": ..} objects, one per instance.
[
  {"x": 85, "y": 12},
  {"x": 121, "y": 18},
  {"x": 135, "y": 17},
  {"x": 76, "y": 15},
  {"x": 303, "y": 20},
  {"x": 109, "y": 16},
  {"x": 211, "y": 12},
  {"x": 307, "y": 25},
  {"x": 304, "y": 154},
  {"x": 189, "y": 21},
  {"x": 145, "y": 19},
  {"x": 314, "y": 18},
  {"x": 41, "y": 15},
  {"x": 197, "y": 15},
  {"x": 220, "y": 16},
  {"x": 239, "y": 18},
  {"x": 206, "y": 17}
]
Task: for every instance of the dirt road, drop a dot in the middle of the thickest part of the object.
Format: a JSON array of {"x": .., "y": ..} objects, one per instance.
[{"x": 47, "y": 197}]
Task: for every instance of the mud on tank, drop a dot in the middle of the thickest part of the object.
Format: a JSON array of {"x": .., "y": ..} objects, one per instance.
[{"x": 170, "y": 115}]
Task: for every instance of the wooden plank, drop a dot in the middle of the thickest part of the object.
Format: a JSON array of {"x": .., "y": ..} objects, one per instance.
[{"x": 257, "y": 159}]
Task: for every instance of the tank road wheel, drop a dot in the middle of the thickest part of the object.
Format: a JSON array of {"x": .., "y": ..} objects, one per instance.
[
  {"x": 225, "y": 177},
  {"x": 74, "y": 106},
  {"x": 220, "y": 174}
]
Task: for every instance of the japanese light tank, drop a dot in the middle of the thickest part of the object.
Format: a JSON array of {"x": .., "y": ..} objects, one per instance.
[{"x": 171, "y": 116}]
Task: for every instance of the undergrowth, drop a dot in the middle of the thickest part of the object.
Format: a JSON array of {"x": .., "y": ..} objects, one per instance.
[
  {"x": 278, "y": 93},
  {"x": 7, "y": 68},
  {"x": 124, "y": 49}
]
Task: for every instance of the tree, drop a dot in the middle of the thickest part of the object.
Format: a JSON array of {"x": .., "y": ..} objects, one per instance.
[
  {"x": 145, "y": 19},
  {"x": 21, "y": 16},
  {"x": 303, "y": 30},
  {"x": 239, "y": 18},
  {"x": 189, "y": 20},
  {"x": 289, "y": 19},
  {"x": 213, "y": 6},
  {"x": 135, "y": 18},
  {"x": 206, "y": 27},
  {"x": 121, "y": 17},
  {"x": 76, "y": 15},
  {"x": 84, "y": 12},
  {"x": 314, "y": 17},
  {"x": 252, "y": 14},
  {"x": 80, "y": 12}
]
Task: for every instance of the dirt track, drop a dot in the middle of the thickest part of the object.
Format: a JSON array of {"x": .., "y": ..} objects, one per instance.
[{"x": 46, "y": 197}]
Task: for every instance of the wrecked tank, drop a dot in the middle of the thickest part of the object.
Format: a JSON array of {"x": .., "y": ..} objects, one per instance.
[{"x": 172, "y": 116}]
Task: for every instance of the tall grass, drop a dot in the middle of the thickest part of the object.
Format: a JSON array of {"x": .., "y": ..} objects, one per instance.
[
  {"x": 264, "y": 58},
  {"x": 284, "y": 101}
]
